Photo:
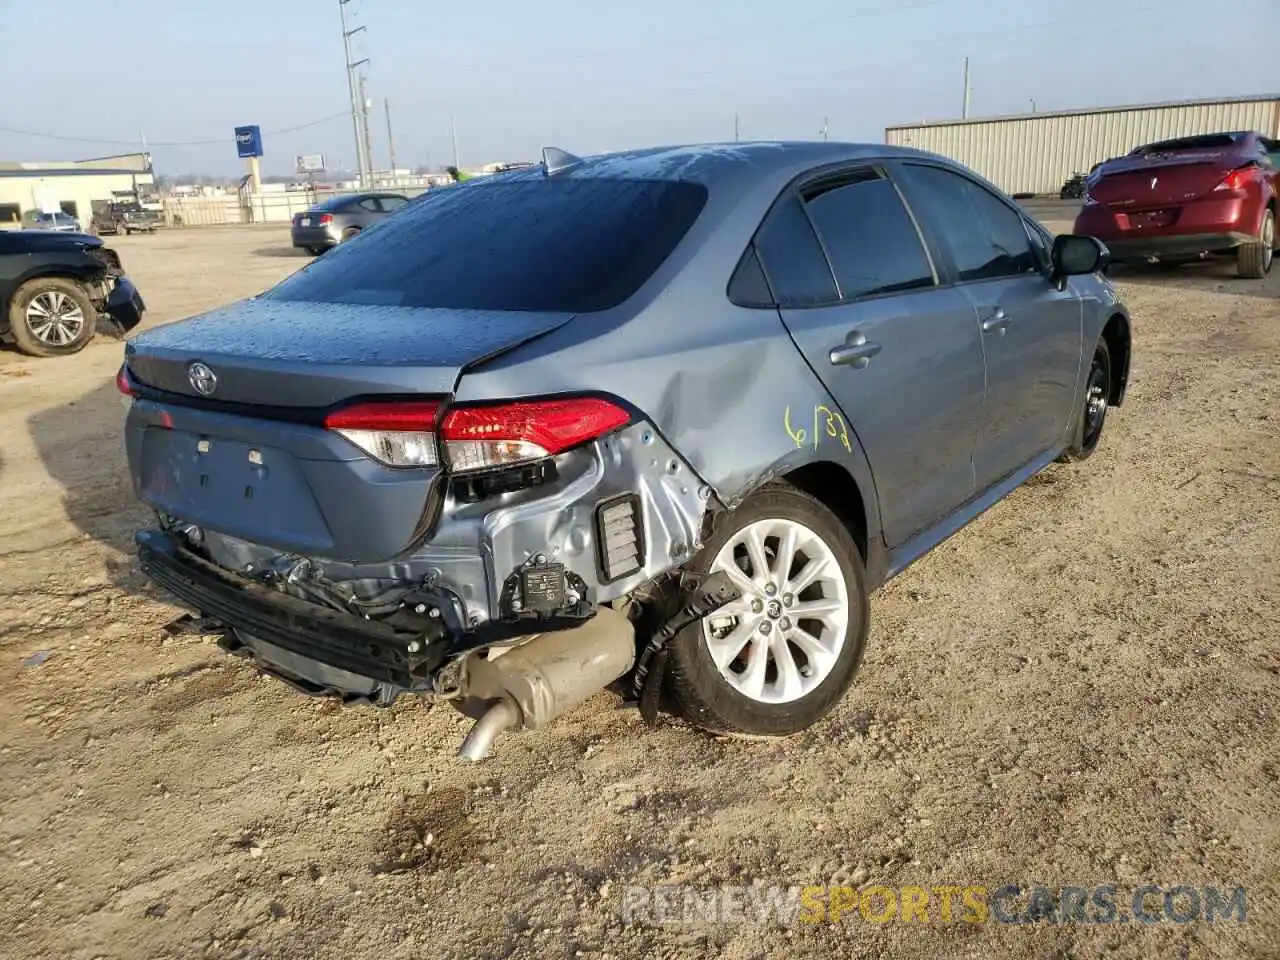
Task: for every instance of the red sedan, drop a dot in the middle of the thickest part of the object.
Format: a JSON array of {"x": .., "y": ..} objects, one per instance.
[{"x": 1184, "y": 199}]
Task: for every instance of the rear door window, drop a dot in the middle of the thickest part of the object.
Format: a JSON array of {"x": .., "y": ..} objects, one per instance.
[
  {"x": 984, "y": 235},
  {"x": 542, "y": 244},
  {"x": 392, "y": 203},
  {"x": 370, "y": 204},
  {"x": 870, "y": 238},
  {"x": 792, "y": 257}
]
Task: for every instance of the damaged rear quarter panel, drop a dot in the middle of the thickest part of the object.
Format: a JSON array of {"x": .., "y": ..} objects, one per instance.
[{"x": 724, "y": 386}]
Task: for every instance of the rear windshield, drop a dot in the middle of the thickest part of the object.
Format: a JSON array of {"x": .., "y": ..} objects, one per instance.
[
  {"x": 1209, "y": 141},
  {"x": 573, "y": 245}
]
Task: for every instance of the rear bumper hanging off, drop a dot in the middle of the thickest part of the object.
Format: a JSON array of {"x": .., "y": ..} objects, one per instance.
[{"x": 369, "y": 648}]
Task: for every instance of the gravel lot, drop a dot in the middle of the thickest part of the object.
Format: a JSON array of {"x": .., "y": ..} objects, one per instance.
[{"x": 1079, "y": 689}]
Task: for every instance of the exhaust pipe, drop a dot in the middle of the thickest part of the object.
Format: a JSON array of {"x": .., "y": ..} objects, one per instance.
[
  {"x": 503, "y": 715},
  {"x": 530, "y": 685}
]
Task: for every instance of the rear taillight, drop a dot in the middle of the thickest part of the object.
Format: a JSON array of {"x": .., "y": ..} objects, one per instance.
[
  {"x": 404, "y": 434},
  {"x": 122, "y": 381},
  {"x": 325, "y": 219},
  {"x": 477, "y": 438},
  {"x": 400, "y": 434},
  {"x": 1237, "y": 179}
]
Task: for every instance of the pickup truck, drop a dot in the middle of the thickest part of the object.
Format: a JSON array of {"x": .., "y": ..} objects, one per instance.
[{"x": 116, "y": 218}]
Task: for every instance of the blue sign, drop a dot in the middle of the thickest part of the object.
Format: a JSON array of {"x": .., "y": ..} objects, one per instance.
[{"x": 249, "y": 141}]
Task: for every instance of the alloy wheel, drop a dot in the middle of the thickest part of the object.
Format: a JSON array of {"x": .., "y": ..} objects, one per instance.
[
  {"x": 782, "y": 638},
  {"x": 54, "y": 318}
]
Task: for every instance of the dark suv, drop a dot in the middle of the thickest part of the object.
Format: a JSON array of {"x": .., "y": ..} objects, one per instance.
[{"x": 55, "y": 289}]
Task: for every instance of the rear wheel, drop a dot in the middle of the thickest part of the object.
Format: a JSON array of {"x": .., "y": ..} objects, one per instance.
[
  {"x": 775, "y": 661},
  {"x": 51, "y": 317},
  {"x": 315, "y": 251},
  {"x": 350, "y": 232},
  {"x": 1253, "y": 259}
]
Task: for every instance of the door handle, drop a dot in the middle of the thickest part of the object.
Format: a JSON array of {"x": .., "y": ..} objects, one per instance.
[
  {"x": 856, "y": 352},
  {"x": 997, "y": 322}
]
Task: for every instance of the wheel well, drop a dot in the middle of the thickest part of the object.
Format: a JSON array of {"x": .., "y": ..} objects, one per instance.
[
  {"x": 1116, "y": 335},
  {"x": 838, "y": 491}
]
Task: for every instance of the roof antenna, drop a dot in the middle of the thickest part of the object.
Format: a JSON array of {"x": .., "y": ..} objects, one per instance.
[{"x": 554, "y": 160}]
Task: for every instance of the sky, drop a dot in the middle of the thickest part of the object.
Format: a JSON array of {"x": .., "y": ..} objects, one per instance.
[{"x": 585, "y": 76}]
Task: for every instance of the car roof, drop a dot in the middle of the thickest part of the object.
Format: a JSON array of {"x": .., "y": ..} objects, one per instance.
[
  {"x": 709, "y": 162},
  {"x": 340, "y": 200}
]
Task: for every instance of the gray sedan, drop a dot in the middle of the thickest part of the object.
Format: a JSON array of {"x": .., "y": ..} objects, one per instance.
[
  {"x": 56, "y": 221},
  {"x": 659, "y": 420},
  {"x": 340, "y": 218}
]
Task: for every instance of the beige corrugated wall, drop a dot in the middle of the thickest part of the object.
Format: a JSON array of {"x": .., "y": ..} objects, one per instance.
[{"x": 1036, "y": 153}]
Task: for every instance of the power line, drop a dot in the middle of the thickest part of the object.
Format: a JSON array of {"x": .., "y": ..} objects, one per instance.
[{"x": 169, "y": 143}]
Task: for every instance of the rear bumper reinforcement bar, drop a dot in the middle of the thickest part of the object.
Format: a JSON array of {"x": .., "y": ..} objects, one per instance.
[{"x": 365, "y": 647}]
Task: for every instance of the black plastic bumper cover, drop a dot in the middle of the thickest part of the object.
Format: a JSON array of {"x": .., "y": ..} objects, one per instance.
[
  {"x": 366, "y": 647},
  {"x": 124, "y": 304}
]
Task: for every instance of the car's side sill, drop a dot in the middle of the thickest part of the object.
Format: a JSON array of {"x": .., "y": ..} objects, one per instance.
[{"x": 915, "y": 548}]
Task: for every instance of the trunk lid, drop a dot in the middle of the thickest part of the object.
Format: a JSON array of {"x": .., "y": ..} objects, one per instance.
[
  {"x": 251, "y": 457},
  {"x": 282, "y": 353},
  {"x": 1160, "y": 180}
]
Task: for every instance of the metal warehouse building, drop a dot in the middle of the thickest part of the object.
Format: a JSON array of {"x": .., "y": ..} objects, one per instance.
[
  {"x": 1036, "y": 152},
  {"x": 71, "y": 186}
]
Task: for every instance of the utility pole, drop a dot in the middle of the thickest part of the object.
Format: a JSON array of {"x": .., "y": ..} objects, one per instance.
[
  {"x": 825, "y": 129},
  {"x": 965, "y": 113},
  {"x": 357, "y": 107},
  {"x": 737, "y": 129},
  {"x": 364, "y": 132},
  {"x": 1033, "y": 104},
  {"x": 453, "y": 135},
  {"x": 391, "y": 144}
]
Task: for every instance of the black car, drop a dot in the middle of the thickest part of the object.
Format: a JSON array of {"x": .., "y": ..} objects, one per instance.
[{"x": 56, "y": 289}]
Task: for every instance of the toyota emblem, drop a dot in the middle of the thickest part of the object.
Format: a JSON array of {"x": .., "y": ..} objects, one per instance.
[{"x": 203, "y": 380}]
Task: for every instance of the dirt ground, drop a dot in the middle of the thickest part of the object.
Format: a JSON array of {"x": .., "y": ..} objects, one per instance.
[{"x": 1079, "y": 689}]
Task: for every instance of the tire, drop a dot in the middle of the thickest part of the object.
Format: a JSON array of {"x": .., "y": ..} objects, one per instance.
[
  {"x": 1092, "y": 415},
  {"x": 315, "y": 251},
  {"x": 698, "y": 690},
  {"x": 63, "y": 301},
  {"x": 350, "y": 232},
  {"x": 1253, "y": 259}
]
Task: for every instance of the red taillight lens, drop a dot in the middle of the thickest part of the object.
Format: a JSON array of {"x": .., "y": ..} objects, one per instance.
[
  {"x": 1237, "y": 179},
  {"x": 417, "y": 415},
  {"x": 400, "y": 434},
  {"x": 122, "y": 381},
  {"x": 494, "y": 436},
  {"x": 403, "y": 434},
  {"x": 325, "y": 219}
]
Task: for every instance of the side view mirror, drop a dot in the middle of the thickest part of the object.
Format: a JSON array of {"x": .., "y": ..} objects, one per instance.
[{"x": 1075, "y": 255}]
